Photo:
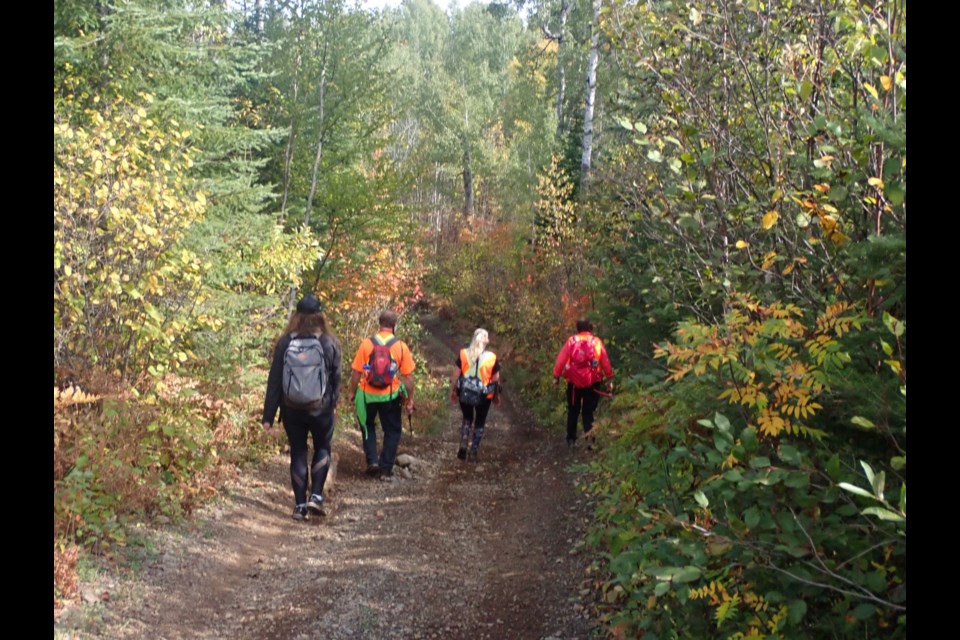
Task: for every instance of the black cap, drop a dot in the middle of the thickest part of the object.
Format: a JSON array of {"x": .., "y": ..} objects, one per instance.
[{"x": 309, "y": 304}]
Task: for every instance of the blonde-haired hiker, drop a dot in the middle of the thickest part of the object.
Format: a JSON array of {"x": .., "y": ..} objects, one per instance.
[{"x": 476, "y": 385}]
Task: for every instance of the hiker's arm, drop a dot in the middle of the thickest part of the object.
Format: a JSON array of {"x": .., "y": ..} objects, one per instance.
[
  {"x": 354, "y": 381},
  {"x": 335, "y": 372},
  {"x": 561, "y": 362},
  {"x": 606, "y": 368},
  {"x": 408, "y": 383},
  {"x": 453, "y": 385},
  {"x": 274, "y": 395}
]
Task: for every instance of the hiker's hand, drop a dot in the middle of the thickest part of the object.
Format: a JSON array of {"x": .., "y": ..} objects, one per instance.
[
  {"x": 610, "y": 386},
  {"x": 556, "y": 381},
  {"x": 268, "y": 427},
  {"x": 453, "y": 397},
  {"x": 410, "y": 406}
]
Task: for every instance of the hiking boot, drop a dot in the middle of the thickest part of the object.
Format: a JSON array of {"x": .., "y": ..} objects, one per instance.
[
  {"x": 373, "y": 470},
  {"x": 300, "y": 512},
  {"x": 589, "y": 441},
  {"x": 462, "y": 451},
  {"x": 571, "y": 444},
  {"x": 315, "y": 505},
  {"x": 472, "y": 455},
  {"x": 386, "y": 475}
]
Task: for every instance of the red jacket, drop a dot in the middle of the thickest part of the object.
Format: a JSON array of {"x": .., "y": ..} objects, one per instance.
[{"x": 603, "y": 372}]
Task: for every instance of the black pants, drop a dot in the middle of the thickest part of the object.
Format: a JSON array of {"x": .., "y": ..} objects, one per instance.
[
  {"x": 475, "y": 417},
  {"x": 298, "y": 424},
  {"x": 580, "y": 400},
  {"x": 391, "y": 421}
]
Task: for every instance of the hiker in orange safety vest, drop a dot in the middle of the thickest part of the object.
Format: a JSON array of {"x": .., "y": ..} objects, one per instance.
[
  {"x": 383, "y": 371},
  {"x": 584, "y": 363},
  {"x": 475, "y": 384}
]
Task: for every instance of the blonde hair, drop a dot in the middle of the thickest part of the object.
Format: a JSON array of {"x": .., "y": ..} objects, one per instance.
[{"x": 477, "y": 345}]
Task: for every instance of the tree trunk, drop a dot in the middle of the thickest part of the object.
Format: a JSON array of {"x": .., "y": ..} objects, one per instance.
[
  {"x": 591, "y": 95},
  {"x": 316, "y": 160},
  {"x": 559, "y": 38}
]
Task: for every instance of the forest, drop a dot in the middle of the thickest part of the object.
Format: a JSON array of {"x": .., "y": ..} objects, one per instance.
[{"x": 720, "y": 185}]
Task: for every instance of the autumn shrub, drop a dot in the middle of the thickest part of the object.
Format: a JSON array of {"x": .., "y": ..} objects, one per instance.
[{"x": 750, "y": 521}]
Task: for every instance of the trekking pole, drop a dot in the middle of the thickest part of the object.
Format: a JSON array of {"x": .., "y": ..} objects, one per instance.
[{"x": 410, "y": 421}]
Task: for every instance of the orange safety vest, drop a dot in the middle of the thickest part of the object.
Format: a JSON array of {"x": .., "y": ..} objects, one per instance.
[{"x": 485, "y": 366}]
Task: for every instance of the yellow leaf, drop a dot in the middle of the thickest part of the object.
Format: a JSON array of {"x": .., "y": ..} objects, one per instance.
[
  {"x": 822, "y": 188},
  {"x": 742, "y": 244},
  {"x": 770, "y": 218},
  {"x": 777, "y": 194},
  {"x": 871, "y": 89},
  {"x": 875, "y": 182},
  {"x": 886, "y": 83},
  {"x": 789, "y": 268}
]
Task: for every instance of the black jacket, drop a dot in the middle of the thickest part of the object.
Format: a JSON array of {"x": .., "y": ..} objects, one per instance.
[{"x": 274, "y": 397}]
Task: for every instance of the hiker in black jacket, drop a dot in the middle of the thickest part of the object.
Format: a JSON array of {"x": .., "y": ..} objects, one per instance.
[{"x": 307, "y": 325}]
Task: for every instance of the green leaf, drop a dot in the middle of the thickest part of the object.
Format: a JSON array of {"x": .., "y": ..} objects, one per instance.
[
  {"x": 759, "y": 462},
  {"x": 883, "y": 514},
  {"x": 898, "y": 462},
  {"x": 687, "y": 574},
  {"x": 896, "y": 193},
  {"x": 168, "y": 430},
  {"x": 878, "y": 484},
  {"x": 675, "y": 165},
  {"x": 864, "y": 611},
  {"x": 833, "y": 467},
  {"x": 751, "y": 517},
  {"x": 701, "y": 499},
  {"x": 708, "y": 156},
  {"x": 867, "y": 469},
  {"x": 705, "y": 423},
  {"x": 721, "y": 421},
  {"x": 733, "y": 475},
  {"x": 852, "y": 488},
  {"x": 797, "y": 480},
  {"x": 661, "y": 588},
  {"x": 896, "y": 327},
  {"x": 860, "y": 421},
  {"x": 887, "y": 349},
  {"x": 798, "y": 609},
  {"x": 789, "y": 454},
  {"x": 654, "y": 156},
  {"x": 806, "y": 88}
]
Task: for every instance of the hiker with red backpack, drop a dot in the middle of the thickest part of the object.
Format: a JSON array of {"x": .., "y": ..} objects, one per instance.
[
  {"x": 584, "y": 363},
  {"x": 304, "y": 384},
  {"x": 476, "y": 385},
  {"x": 383, "y": 371}
]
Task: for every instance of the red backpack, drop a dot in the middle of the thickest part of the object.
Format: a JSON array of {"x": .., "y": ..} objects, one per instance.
[
  {"x": 583, "y": 362},
  {"x": 381, "y": 369}
]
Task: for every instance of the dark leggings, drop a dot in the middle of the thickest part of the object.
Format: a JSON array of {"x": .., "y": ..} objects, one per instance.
[
  {"x": 475, "y": 417},
  {"x": 584, "y": 400},
  {"x": 298, "y": 424}
]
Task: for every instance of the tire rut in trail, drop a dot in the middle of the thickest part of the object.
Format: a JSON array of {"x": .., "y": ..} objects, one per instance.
[{"x": 478, "y": 550}]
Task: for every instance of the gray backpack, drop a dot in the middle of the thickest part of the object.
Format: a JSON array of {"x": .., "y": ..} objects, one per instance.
[
  {"x": 471, "y": 389},
  {"x": 304, "y": 373}
]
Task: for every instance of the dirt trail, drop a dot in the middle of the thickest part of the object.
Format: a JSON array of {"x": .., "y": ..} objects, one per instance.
[{"x": 460, "y": 550}]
